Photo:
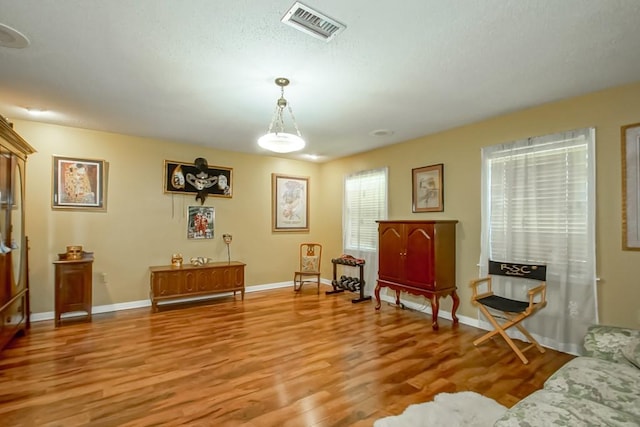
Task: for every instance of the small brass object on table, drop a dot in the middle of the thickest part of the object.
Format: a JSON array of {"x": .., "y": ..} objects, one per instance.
[
  {"x": 73, "y": 252},
  {"x": 176, "y": 260}
]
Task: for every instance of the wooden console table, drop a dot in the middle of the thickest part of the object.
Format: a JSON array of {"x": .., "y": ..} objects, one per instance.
[{"x": 170, "y": 282}]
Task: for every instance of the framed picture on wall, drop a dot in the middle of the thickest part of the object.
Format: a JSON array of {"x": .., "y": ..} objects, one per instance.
[
  {"x": 427, "y": 183},
  {"x": 200, "y": 222},
  {"x": 290, "y": 202},
  {"x": 630, "y": 135},
  {"x": 185, "y": 178},
  {"x": 79, "y": 184}
]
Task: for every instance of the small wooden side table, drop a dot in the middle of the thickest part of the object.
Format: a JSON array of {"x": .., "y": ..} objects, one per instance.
[{"x": 73, "y": 285}]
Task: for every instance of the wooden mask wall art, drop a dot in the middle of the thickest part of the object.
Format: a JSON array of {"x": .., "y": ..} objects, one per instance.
[
  {"x": 198, "y": 178},
  {"x": 201, "y": 180}
]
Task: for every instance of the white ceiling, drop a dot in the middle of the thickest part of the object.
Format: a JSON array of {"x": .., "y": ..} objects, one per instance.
[{"x": 202, "y": 71}]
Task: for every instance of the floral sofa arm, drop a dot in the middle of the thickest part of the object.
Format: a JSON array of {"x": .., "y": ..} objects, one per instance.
[{"x": 609, "y": 342}]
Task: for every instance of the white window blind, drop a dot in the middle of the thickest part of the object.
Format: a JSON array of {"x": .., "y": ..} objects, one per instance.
[
  {"x": 537, "y": 194},
  {"x": 365, "y": 202}
]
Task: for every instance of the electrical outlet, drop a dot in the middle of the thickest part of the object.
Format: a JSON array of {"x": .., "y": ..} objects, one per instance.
[{"x": 104, "y": 277}]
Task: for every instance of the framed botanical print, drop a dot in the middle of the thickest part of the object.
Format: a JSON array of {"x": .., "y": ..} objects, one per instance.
[
  {"x": 290, "y": 202},
  {"x": 427, "y": 183},
  {"x": 79, "y": 183}
]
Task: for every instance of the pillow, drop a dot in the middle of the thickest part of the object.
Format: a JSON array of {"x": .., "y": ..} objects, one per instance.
[
  {"x": 606, "y": 342},
  {"x": 632, "y": 352},
  {"x": 309, "y": 263}
]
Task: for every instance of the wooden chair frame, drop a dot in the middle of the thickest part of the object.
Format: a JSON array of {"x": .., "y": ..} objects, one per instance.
[
  {"x": 304, "y": 274},
  {"x": 516, "y": 312}
]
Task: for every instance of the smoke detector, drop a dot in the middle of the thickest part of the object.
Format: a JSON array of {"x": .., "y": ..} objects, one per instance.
[{"x": 312, "y": 22}]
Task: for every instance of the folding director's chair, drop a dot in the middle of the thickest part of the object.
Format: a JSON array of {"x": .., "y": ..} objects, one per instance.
[{"x": 513, "y": 311}]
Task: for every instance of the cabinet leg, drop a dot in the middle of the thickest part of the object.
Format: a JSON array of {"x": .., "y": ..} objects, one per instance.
[
  {"x": 456, "y": 303},
  {"x": 377, "y": 294},
  {"x": 434, "y": 311},
  {"x": 397, "y": 297}
]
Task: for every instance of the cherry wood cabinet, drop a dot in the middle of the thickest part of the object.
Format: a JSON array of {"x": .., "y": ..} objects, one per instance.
[
  {"x": 418, "y": 257},
  {"x": 73, "y": 286},
  {"x": 170, "y": 282},
  {"x": 14, "y": 270}
]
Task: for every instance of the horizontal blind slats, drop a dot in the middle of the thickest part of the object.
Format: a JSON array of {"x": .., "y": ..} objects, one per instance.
[
  {"x": 537, "y": 199},
  {"x": 365, "y": 203}
]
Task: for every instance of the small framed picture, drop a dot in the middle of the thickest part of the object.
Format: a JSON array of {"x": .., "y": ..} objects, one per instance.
[
  {"x": 290, "y": 202},
  {"x": 428, "y": 188},
  {"x": 630, "y": 135},
  {"x": 200, "y": 222},
  {"x": 79, "y": 184}
]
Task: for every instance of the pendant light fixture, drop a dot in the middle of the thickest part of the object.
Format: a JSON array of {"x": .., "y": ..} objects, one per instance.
[{"x": 276, "y": 139}]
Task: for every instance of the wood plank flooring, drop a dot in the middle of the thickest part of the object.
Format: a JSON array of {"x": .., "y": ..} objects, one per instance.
[{"x": 275, "y": 359}]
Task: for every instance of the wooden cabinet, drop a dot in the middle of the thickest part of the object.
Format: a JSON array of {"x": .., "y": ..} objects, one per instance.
[
  {"x": 418, "y": 257},
  {"x": 14, "y": 280},
  {"x": 74, "y": 284},
  {"x": 171, "y": 282}
]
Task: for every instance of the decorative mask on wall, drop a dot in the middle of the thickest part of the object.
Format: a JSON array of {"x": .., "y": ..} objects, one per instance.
[{"x": 201, "y": 180}]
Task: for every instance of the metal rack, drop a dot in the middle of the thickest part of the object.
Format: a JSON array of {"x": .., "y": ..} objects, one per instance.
[{"x": 346, "y": 283}]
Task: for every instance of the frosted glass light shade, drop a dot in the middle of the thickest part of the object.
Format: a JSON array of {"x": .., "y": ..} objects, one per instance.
[{"x": 281, "y": 142}]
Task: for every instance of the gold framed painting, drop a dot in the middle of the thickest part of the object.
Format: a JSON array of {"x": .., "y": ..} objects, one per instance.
[
  {"x": 630, "y": 136},
  {"x": 428, "y": 188},
  {"x": 290, "y": 202},
  {"x": 79, "y": 184}
]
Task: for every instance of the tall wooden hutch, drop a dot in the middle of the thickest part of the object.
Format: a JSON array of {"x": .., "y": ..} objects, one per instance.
[
  {"x": 418, "y": 257},
  {"x": 14, "y": 280}
]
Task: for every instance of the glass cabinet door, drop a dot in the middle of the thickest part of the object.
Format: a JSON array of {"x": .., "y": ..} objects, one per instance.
[
  {"x": 5, "y": 217},
  {"x": 17, "y": 233}
]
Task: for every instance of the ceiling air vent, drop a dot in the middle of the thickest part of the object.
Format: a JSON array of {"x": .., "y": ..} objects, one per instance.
[{"x": 312, "y": 22}]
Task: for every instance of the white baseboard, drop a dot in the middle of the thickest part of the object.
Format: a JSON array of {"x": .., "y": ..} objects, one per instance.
[
  {"x": 98, "y": 309},
  {"x": 424, "y": 308}
]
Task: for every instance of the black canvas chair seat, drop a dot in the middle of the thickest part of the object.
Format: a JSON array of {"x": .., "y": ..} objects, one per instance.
[
  {"x": 504, "y": 304},
  {"x": 514, "y": 311}
]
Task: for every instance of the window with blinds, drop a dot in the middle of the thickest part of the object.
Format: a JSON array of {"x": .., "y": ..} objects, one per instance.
[
  {"x": 538, "y": 199},
  {"x": 365, "y": 202}
]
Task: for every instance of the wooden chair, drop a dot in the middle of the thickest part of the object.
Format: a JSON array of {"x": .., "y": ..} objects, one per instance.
[
  {"x": 514, "y": 311},
  {"x": 309, "y": 271}
]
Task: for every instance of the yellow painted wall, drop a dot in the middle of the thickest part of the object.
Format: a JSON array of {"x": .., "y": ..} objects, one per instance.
[
  {"x": 459, "y": 150},
  {"x": 143, "y": 226}
]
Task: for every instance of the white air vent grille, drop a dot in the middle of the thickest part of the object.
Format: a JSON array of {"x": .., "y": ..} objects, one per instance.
[{"x": 312, "y": 22}]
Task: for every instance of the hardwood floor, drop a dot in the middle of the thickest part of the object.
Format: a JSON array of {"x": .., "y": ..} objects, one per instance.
[{"x": 275, "y": 359}]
